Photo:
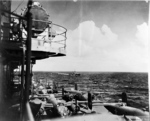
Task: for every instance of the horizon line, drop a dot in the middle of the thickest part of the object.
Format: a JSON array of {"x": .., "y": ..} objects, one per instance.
[{"x": 97, "y": 71}]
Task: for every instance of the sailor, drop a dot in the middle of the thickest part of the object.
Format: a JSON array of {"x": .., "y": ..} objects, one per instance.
[{"x": 124, "y": 98}]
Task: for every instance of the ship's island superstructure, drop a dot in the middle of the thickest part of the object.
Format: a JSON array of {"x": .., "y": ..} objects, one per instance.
[{"x": 23, "y": 40}]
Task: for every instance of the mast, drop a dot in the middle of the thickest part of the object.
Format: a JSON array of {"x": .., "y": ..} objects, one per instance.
[{"x": 28, "y": 52}]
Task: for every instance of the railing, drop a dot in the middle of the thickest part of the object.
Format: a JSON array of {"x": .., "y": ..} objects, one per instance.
[{"x": 51, "y": 39}]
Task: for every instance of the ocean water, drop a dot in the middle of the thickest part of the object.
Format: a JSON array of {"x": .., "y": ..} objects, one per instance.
[{"x": 110, "y": 84}]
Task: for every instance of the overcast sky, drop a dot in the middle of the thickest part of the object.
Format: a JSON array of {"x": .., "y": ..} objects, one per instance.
[{"x": 102, "y": 35}]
